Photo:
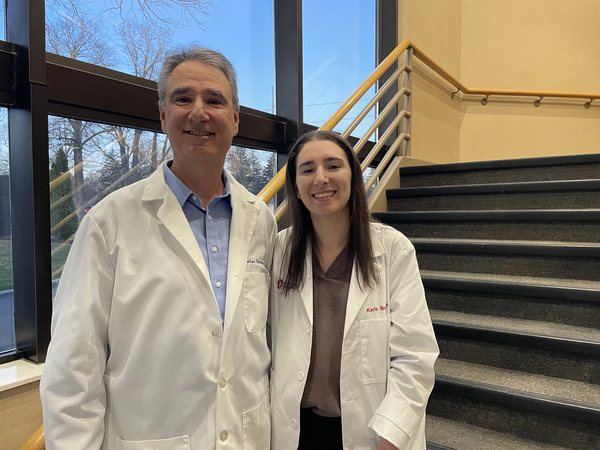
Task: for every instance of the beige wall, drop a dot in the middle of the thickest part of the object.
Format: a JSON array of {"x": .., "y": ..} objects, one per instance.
[
  {"x": 548, "y": 45},
  {"x": 435, "y": 27},
  {"x": 20, "y": 415}
]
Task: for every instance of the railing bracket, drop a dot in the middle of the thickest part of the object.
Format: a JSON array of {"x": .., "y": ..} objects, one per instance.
[
  {"x": 587, "y": 105},
  {"x": 538, "y": 102},
  {"x": 454, "y": 93},
  {"x": 484, "y": 101}
]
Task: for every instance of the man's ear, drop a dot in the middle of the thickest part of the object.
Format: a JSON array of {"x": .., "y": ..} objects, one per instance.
[{"x": 163, "y": 119}]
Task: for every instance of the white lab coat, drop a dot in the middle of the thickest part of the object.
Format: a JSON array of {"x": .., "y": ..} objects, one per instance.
[
  {"x": 139, "y": 357},
  {"x": 388, "y": 351}
]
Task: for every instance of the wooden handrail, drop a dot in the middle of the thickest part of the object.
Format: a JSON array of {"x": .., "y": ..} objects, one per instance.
[
  {"x": 36, "y": 441},
  {"x": 269, "y": 191}
]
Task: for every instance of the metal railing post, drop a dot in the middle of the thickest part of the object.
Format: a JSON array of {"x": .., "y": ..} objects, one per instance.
[{"x": 405, "y": 126}]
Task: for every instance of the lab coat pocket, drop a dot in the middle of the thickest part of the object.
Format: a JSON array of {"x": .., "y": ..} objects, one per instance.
[
  {"x": 374, "y": 350},
  {"x": 256, "y": 300},
  {"x": 257, "y": 426},
  {"x": 176, "y": 443}
]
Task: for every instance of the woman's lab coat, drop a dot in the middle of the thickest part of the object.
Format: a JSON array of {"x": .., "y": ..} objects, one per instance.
[
  {"x": 388, "y": 351},
  {"x": 139, "y": 357}
]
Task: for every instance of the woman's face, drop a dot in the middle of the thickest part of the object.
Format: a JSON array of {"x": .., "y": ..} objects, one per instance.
[{"x": 323, "y": 179}]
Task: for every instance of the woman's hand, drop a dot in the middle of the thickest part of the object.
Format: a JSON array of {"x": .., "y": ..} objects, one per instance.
[{"x": 385, "y": 445}]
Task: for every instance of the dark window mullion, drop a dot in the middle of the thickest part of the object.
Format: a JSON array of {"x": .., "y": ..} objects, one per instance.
[{"x": 29, "y": 177}]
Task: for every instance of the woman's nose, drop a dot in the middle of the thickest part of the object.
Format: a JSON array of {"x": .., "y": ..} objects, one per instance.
[{"x": 321, "y": 176}]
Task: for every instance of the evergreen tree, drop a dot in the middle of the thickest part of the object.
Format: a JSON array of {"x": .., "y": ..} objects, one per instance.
[
  {"x": 245, "y": 167},
  {"x": 64, "y": 222}
]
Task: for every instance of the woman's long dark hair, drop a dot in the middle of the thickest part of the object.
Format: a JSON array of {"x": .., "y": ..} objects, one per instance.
[{"x": 298, "y": 218}]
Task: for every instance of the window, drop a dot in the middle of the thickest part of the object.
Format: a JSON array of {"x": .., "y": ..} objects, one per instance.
[
  {"x": 252, "y": 168},
  {"x": 133, "y": 37},
  {"x": 339, "y": 54},
  {"x": 88, "y": 161},
  {"x": 7, "y": 320}
]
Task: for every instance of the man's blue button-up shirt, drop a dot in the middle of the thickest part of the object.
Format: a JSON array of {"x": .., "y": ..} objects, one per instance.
[{"x": 210, "y": 227}]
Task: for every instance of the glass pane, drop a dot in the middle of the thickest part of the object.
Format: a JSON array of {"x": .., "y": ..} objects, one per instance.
[
  {"x": 2, "y": 37},
  {"x": 339, "y": 54},
  {"x": 88, "y": 161},
  {"x": 7, "y": 319},
  {"x": 252, "y": 168},
  {"x": 132, "y": 36}
]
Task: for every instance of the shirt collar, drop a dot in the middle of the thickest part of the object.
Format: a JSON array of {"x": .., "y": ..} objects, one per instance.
[{"x": 182, "y": 192}]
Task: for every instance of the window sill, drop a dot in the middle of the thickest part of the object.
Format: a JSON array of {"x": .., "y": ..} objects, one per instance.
[{"x": 19, "y": 372}]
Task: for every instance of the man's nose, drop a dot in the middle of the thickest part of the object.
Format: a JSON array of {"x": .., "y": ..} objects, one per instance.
[{"x": 198, "y": 112}]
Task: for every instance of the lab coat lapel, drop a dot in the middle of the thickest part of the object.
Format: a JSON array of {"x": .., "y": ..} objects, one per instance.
[
  {"x": 243, "y": 220},
  {"x": 306, "y": 292},
  {"x": 171, "y": 215},
  {"x": 356, "y": 295}
]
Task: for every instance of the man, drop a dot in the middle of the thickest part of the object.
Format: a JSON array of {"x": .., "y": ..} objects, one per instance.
[{"x": 158, "y": 329}]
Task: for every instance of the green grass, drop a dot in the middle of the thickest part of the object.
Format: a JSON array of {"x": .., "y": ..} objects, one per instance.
[{"x": 60, "y": 252}]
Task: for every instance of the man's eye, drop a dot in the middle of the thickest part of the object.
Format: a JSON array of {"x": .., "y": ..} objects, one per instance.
[
  {"x": 215, "y": 102},
  {"x": 182, "y": 100}
]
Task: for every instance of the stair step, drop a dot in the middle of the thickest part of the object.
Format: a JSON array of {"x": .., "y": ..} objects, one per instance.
[
  {"x": 569, "y": 302},
  {"x": 463, "y": 436},
  {"x": 545, "y": 225},
  {"x": 572, "y": 167},
  {"x": 580, "y": 194},
  {"x": 530, "y": 416},
  {"x": 558, "y": 260},
  {"x": 576, "y": 391},
  {"x": 525, "y": 345}
]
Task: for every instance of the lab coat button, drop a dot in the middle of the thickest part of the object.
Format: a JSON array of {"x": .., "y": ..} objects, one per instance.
[
  {"x": 294, "y": 424},
  {"x": 300, "y": 376},
  {"x": 308, "y": 330},
  {"x": 222, "y": 383},
  {"x": 224, "y": 435},
  {"x": 216, "y": 333}
]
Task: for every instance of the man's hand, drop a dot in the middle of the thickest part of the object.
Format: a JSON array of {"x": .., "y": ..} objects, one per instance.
[{"x": 385, "y": 445}]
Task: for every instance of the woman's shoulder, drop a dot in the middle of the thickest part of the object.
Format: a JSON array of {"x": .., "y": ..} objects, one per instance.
[{"x": 389, "y": 237}]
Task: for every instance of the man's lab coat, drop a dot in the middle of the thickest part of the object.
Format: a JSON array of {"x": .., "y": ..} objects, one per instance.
[
  {"x": 139, "y": 356},
  {"x": 388, "y": 351}
]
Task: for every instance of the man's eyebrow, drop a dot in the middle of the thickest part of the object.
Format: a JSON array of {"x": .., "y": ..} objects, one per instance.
[
  {"x": 217, "y": 93},
  {"x": 179, "y": 90}
]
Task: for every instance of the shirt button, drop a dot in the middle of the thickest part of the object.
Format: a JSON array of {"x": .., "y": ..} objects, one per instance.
[
  {"x": 218, "y": 283},
  {"x": 209, "y": 217},
  {"x": 216, "y": 333},
  {"x": 194, "y": 197},
  {"x": 223, "y": 436},
  {"x": 214, "y": 249},
  {"x": 294, "y": 424},
  {"x": 300, "y": 376},
  {"x": 222, "y": 383}
]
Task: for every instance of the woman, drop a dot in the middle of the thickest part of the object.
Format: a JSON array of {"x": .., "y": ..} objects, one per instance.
[{"x": 353, "y": 346}]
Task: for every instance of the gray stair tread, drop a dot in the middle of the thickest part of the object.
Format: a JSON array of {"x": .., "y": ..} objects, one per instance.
[
  {"x": 518, "y": 325},
  {"x": 490, "y": 188},
  {"x": 527, "y": 382},
  {"x": 483, "y": 242},
  {"x": 561, "y": 282},
  {"x": 463, "y": 436}
]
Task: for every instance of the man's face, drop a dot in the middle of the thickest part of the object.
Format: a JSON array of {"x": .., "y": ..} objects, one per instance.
[{"x": 199, "y": 117}]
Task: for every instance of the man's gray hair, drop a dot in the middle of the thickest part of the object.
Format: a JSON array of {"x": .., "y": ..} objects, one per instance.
[{"x": 204, "y": 56}]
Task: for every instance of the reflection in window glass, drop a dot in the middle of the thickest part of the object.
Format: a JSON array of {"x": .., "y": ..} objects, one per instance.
[
  {"x": 339, "y": 54},
  {"x": 133, "y": 37},
  {"x": 7, "y": 320},
  {"x": 88, "y": 161}
]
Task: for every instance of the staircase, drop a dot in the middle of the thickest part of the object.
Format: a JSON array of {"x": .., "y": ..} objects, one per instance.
[{"x": 509, "y": 252}]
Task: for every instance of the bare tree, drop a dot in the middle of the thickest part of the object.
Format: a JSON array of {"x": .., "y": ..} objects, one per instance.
[{"x": 171, "y": 12}]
